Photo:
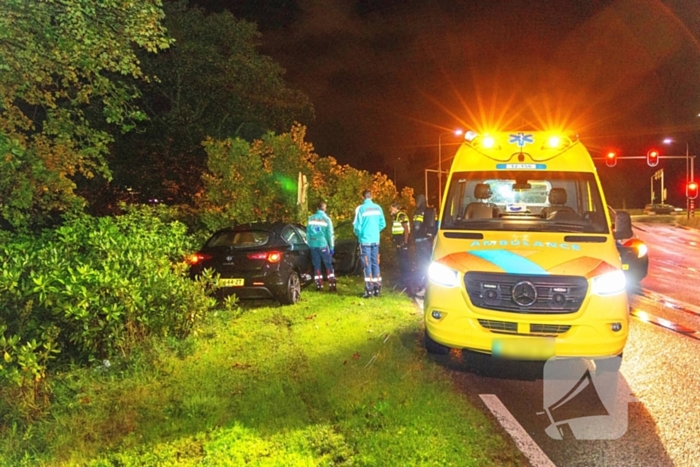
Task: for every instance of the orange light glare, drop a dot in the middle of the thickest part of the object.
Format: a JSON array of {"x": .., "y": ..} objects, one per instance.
[
  {"x": 554, "y": 141},
  {"x": 196, "y": 258},
  {"x": 274, "y": 257},
  {"x": 488, "y": 142}
]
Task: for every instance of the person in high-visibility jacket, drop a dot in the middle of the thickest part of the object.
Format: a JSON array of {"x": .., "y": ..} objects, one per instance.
[
  {"x": 400, "y": 233},
  {"x": 319, "y": 235},
  {"x": 369, "y": 221}
]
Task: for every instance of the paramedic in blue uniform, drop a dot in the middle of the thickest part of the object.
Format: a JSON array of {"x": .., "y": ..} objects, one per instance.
[
  {"x": 319, "y": 234},
  {"x": 400, "y": 233},
  {"x": 369, "y": 221}
]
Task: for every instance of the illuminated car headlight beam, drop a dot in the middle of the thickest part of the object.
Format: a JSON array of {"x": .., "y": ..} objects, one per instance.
[
  {"x": 442, "y": 275},
  {"x": 610, "y": 283}
]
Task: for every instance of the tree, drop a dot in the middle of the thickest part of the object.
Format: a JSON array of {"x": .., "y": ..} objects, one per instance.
[
  {"x": 213, "y": 83},
  {"x": 248, "y": 182},
  {"x": 62, "y": 66}
]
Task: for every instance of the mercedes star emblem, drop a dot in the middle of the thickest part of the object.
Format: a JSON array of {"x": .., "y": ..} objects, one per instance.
[{"x": 524, "y": 293}]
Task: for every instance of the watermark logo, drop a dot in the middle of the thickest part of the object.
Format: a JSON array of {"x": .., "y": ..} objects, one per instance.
[{"x": 585, "y": 403}]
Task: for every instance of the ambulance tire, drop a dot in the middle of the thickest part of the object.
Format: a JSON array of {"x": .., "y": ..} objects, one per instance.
[
  {"x": 433, "y": 347},
  {"x": 608, "y": 365}
]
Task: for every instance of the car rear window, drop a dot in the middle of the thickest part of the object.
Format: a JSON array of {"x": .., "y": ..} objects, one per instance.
[{"x": 240, "y": 239}]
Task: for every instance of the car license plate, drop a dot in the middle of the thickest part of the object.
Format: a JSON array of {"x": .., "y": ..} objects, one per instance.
[
  {"x": 529, "y": 348},
  {"x": 230, "y": 282}
]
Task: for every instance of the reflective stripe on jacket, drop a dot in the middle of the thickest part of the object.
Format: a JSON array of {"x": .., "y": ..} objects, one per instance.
[{"x": 397, "y": 227}]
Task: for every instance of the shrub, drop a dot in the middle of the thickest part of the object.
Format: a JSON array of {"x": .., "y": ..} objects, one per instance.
[{"x": 91, "y": 290}]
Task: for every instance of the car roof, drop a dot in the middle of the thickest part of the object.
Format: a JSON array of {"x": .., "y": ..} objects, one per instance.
[{"x": 272, "y": 226}]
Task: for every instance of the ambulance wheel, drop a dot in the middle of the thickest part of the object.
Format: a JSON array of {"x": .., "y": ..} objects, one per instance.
[
  {"x": 608, "y": 365},
  {"x": 433, "y": 347}
]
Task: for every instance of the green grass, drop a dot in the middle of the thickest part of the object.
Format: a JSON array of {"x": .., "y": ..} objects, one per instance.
[{"x": 333, "y": 380}]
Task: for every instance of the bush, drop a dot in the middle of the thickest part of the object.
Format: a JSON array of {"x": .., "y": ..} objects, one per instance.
[{"x": 91, "y": 290}]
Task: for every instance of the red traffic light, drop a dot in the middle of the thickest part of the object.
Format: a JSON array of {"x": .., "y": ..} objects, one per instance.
[
  {"x": 691, "y": 191},
  {"x": 653, "y": 157},
  {"x": 611, "y": 159}
]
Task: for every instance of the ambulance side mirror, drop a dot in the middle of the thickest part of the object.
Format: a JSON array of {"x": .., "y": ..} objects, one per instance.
[{"x": 623, "y": 226}]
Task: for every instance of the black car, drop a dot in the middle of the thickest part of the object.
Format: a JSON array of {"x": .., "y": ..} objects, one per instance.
[
  {"x": 257, "y": 261},
  {"x": 661, "y": 209},
  {"x": 346, "y": 259}
]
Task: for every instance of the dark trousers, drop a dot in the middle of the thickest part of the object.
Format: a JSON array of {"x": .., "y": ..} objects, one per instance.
[
  {"x": 424, "y": 252},
  {"x": 370, "y": 262},
  {"x": 404, "y": 265},
  {"x": 318, "y": 256}
]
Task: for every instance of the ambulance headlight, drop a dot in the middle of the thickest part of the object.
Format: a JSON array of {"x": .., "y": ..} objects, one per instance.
[
  {"x": 442, "y": 275},
  {"x": 609, "y": 284}
]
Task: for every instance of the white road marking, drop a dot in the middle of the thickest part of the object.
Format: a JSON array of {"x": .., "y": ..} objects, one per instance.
[{"x": 523, "y": 441}]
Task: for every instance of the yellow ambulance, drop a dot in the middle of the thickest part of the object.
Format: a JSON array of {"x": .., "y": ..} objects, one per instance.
[{"x": 525, "y": 264}]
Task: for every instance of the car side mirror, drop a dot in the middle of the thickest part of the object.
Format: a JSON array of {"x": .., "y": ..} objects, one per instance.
[{"x": 623, "y": 226}]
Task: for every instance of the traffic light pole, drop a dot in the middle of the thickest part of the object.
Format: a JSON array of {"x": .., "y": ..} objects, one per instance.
[
  {"x": 658, "y": 175},
  {"x": 690, "y": 203}
]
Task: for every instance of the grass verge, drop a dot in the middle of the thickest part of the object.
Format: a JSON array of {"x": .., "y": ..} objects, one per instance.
[{"x": 335, "y": 380}]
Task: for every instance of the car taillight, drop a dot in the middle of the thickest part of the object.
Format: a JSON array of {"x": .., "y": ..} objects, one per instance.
[
  {"x": 274, "y": 257},
  {"x": 197, "y": 258},
  {"x": 269, "y": 256}
]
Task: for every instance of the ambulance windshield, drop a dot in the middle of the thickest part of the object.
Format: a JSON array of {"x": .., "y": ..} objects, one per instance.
[{"x": 524, "y": 201}]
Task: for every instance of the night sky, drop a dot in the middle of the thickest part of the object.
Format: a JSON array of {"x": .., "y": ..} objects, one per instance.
[{"x": 387, "y": 77}]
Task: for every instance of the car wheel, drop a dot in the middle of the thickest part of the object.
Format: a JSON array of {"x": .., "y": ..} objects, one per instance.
[
  {"x": 433, "y": 347},
  {"x": 292, "y": 290}
]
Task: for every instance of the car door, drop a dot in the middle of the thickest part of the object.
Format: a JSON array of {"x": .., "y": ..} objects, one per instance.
[
  {"x": 300, "y": 251},
  {"x": 347, "y": 250}
]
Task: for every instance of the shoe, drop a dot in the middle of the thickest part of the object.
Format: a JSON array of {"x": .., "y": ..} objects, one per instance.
[
  {"x": 319, "y": 287},
  {"x": 368, "y": 294},
  {"x": 331, "y": 288},
  {"x": 377, "y": 291}
]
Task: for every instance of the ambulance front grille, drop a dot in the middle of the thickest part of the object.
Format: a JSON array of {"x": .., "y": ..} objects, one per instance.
[
  {"x": 534, "y": 294},
  {"x": 549, "y": 328},
  {"x": 499, "y": 326}
]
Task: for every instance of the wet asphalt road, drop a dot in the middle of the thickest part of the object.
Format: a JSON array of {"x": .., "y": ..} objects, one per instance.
[{"x": 653, "y": 407}]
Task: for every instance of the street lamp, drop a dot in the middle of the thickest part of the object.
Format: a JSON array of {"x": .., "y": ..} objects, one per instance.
[
  {"x": 687, "y": 178},
  {"x": 395, "y": 181},
  {"x": 455, "y": 133}
]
